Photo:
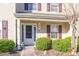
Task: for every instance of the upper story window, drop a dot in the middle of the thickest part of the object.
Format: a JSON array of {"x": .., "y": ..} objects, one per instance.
[
  {"x": 34, "y": 6},
  {"x": 28, "y": 6},
  {"x": 54, "y": 7},
  {"x": 37, "y": 6}
]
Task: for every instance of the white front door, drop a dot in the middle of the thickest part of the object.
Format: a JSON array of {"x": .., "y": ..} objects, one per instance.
[{"x": 28, "y": 35}]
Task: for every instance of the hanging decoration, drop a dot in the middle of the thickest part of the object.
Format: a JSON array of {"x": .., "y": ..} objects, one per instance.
[{"x": 39, "y": 26}]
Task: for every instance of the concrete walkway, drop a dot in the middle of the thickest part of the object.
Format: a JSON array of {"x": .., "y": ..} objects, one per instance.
[{"x": 28, "y": 51}]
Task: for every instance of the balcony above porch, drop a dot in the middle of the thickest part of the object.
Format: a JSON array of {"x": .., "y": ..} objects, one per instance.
[{"x": 40, "y": 16}]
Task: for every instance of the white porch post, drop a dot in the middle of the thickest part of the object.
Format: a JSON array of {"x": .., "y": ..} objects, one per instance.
[{"x": 18, "y": 33}]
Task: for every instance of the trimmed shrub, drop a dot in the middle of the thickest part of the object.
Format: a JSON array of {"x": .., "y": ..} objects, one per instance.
[
  {"x": 6, "y": 45},
  {"x": 43, "y": 43},
  {"x": 78, "y": 45},
  {"x": 62, "y": 45}
]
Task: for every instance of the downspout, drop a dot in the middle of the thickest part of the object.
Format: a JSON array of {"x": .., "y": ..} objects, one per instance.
[{"x": 16, "y": 33}]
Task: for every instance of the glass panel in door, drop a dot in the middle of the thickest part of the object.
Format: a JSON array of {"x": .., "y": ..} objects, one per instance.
[{"x": 29, "y": 31}]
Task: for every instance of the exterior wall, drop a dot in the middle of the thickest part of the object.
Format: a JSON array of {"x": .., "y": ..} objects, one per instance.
[
  {"x": 68, "y": 31},
  {"x": 42, "y": 28},
  {"x": 20, "y": 8},
  {"x": 6, "y": 13}
]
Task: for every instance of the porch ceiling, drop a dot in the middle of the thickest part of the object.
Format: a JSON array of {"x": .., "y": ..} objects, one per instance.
[{"x": 41, "y": 16}]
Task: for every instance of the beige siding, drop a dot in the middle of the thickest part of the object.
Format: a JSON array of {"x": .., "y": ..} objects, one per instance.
[{"x": 6, "y": 13}]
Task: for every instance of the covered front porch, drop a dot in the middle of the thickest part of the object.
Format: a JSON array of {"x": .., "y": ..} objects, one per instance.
[
  {"x": 29, "y": 30},
  {"x": 30, "y": 26}
]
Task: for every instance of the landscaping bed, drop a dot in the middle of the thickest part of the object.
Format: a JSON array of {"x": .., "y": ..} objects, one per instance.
[
  {"x": 52, "y": 52},
  {"x": 7, "y": 47},
  {"x": 57, "y": 47},
  {"x": 10, "y": 54}
]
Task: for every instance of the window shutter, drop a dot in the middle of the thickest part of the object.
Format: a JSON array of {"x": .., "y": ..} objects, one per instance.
[
  {"x": 48, "y": 6},
  {"x": 25, "y": 6},
  {"x": 48, "y": 31},
  {"x": 39, "y": 7},
  {"x": 4, "y": 29},
  {"x": 60, "y": 32},
  {"x": 60, "y": 7}
]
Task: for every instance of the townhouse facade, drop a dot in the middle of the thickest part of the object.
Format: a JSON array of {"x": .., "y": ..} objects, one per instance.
[{"x": 25, "y": 22}]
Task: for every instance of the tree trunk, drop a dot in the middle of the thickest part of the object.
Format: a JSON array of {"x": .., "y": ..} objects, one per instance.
[{"x": 74, "y": 39}]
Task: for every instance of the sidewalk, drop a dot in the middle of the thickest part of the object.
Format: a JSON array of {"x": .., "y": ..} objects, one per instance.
[{"x": 28, "y": 51}]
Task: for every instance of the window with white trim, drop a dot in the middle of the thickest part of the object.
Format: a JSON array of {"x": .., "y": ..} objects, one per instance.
[
  {"x": 35, "y": 6},
  {"x": 54, "y": 31},
  {"x": 54, "y": 7}
]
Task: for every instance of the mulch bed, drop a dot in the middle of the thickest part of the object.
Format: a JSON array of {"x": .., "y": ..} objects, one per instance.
[
  {"x": 40, "y": 53},
  {"x": 52, "y": 53},
  {"x": 10, "y": 54}
]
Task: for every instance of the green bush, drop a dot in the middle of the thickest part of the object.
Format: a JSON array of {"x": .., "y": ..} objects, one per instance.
[
  {"x": 78, "y": 45},
  {"x": 43, "y": 43},
  {"x": 6, "y": 45},
  {"x": 62, "y": 44}
]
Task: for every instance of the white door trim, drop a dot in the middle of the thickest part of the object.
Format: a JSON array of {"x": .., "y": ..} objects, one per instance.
[{"x": 33, "y": 25}]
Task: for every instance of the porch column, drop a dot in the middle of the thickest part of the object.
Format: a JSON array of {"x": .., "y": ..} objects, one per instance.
[
  {"x": 48, "y": 31},
  {"x": 18, "y": 34}
]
